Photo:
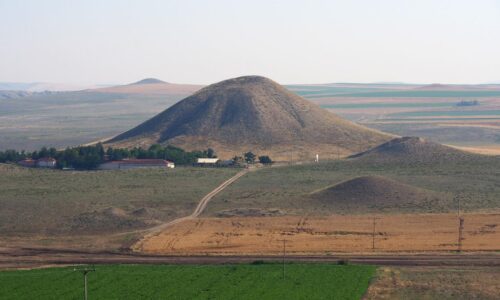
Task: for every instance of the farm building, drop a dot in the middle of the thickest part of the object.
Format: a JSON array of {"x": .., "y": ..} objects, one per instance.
[
  {"x": 28, "y": 163},
  {"x": 136, "y": 163},
  {"x": 207, "y": 162},
  {"x": 46, "y": 162}
]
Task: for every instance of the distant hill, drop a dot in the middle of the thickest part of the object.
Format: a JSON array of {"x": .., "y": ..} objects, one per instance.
[
  {"x": 253, "y": 113},
  {"x": 6, "y": 95},
  {"x": 150, "y": 86},
  {"x": 377, "y": 192},
  {"x": 149, "y": 81},
  {"x": 412, "y": 150}
]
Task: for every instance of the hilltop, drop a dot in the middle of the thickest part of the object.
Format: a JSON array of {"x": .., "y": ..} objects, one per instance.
[
  {"x": 413, "y": 150},
  {"x": 149, "y": 81},
  {"x": 377, "y": 191},
  {"x": 253, "y": 113}
]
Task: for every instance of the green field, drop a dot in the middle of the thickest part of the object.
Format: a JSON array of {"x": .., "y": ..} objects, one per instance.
[
  {"x": 387, "y": 105},
  {"x": 451, "y": 113},
  {"x": 264, "y": 281},
  {"x": 413, "y": 94}
]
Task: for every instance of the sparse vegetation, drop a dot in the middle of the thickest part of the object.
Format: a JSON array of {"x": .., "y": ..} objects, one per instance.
[
  {"x": 289, "y": 188},
  {"x": 252, "y": 281},
  {"x": 36, "y": 201}
]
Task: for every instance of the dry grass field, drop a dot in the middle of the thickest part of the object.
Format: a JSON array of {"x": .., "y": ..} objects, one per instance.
[
  {"x": 329, "y": 234},
  {"x": 435, "y": 283},
  {"x": 47, "y": 203}
]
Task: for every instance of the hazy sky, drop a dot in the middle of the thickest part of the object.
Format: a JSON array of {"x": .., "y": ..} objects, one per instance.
[{"x": 117, "y": 41}]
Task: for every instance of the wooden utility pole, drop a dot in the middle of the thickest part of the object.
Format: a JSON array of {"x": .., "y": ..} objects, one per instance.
[
  {"x": 460, "y": 227},
  {"x": 85, "y": 271},
  {"x": 373, "y": 234},
  {"x": 460, "y": 233},
  {"x": 284, "y": 254}
]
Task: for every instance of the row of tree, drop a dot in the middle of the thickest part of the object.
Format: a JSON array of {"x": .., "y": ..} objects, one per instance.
[
  {"x": 90, "y": 157},
  {"x": 251, "y": 158}
]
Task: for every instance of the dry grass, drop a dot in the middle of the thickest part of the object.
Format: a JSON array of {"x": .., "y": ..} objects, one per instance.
[
  {"x": 323, "y": 235},
  {"x": 435, "y": 283}
]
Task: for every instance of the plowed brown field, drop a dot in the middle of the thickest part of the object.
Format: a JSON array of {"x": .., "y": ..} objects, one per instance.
[{"x": 324, "y": 235}]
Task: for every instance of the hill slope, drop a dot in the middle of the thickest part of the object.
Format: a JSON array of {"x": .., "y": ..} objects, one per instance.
[
  {"x": 377, "y": 192},
  {"x": 413, "y": 150},
  {"x": 253, "y": 113}
]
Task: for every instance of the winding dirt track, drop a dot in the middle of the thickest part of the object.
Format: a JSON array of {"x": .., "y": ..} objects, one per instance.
[{"x": 198, "y": 210}]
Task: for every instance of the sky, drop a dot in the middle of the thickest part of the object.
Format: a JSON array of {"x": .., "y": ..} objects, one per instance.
[{"x": 119, "y": 41}]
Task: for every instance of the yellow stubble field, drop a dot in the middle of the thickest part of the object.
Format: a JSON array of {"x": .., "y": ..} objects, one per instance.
[{"x": 328, "y": 234}]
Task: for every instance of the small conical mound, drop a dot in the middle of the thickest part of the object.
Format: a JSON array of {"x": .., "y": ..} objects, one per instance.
[
  {"x": 412, "y": 150},
  {"x": 253, "y": 113},
  {"x": 378, "y": 193},
  {"x": 149, "y": 81}
]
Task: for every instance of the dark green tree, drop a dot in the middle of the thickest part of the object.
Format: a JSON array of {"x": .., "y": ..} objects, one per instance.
[
  {"x": 265, "y": 159},
  {"x": 249, "y": 157}
]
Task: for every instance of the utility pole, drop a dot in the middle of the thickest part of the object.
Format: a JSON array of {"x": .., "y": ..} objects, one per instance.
[
  {"x": 85, "y": 271},
  {"x": 460, "y": 233},
  {"x": 373, "y": 236},
  {"x": 284, "y": 254},
  {"x": 373, "y": 233},
  {"x": 460, "y": 227}
]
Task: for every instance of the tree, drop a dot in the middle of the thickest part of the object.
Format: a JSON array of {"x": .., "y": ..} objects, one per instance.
[
  {"x": 265, "y": 159},
  {"x": 211, "y": 153},
  {"x": 249, "y": 157}
]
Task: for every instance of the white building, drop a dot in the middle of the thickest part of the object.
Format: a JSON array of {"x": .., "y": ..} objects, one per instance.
[
  {"x": 207, "y": 161},
  {"x": 46, "y": 162},
  {"x": 136, "y": 163}
]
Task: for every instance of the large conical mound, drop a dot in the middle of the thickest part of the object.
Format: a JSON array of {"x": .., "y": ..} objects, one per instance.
[
  {"x": 379, "y": 193},
  {"x": 253, "y": 113},
  {"x": 413, "y": 150}
]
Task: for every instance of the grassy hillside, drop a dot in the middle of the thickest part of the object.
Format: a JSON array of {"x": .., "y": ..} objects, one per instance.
[
  {"x": 35, "y": 201},
  {"x": 311, "y": 281},
  {"x": 288, "y": 188}
]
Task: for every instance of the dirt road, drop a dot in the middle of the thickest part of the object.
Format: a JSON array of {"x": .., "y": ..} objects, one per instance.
[
  {"x": 153, "y": 231},
  {"x": 32, "y": 257}
]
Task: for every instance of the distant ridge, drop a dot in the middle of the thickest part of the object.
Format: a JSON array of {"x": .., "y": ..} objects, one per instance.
[
  {"x": 412, "y": 150},
  {"x": 257, "y": 114},
  {"x": 149, "y": 81}
]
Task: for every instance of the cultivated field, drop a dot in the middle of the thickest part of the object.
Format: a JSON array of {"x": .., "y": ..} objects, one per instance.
[
  {"x": 410, "y": 110},
  {"x": 311, "y": 281},
  {"x": 327, "y": 235}
]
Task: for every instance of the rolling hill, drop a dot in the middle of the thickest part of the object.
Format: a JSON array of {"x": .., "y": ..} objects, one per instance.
[
  {"x": 253, "y": 113},
  {"x": 376, "y": 191},
  {"x": 413, "y": 150}
]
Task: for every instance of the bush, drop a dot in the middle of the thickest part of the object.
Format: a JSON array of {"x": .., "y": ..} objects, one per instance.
[{"x": 265, "y": 159}]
